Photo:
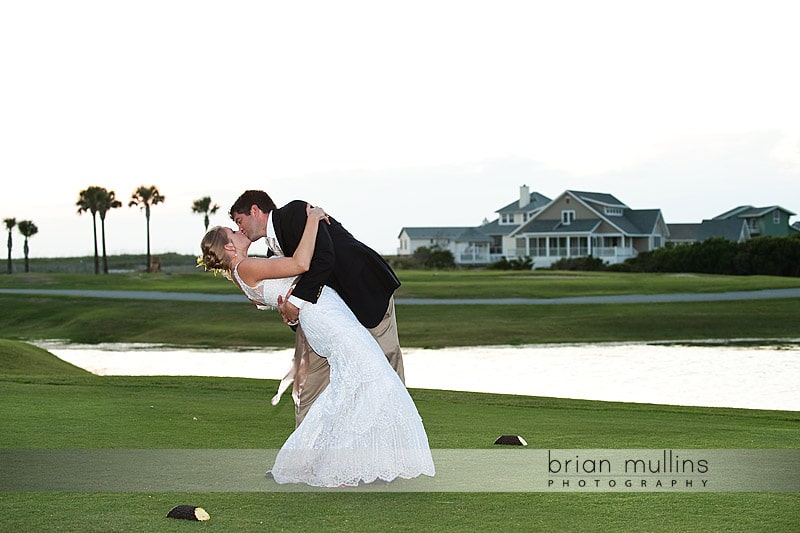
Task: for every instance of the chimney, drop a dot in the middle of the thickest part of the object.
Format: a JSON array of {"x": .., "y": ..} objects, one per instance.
[{"x": 524, "y": 196}]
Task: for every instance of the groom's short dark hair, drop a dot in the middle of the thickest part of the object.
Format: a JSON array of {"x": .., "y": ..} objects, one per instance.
[{"x": 250, "y": 198}]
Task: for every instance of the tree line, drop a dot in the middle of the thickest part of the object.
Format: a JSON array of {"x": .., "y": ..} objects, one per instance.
[
  {"x": 768, "y": 256},
  {"x": 99, "y": 201}
]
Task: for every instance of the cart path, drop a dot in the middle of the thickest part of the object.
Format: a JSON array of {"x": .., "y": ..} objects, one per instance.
[{"x": 607, "y": 299}]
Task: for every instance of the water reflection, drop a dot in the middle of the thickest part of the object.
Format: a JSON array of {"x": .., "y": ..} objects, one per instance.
[{"x": 755, "y": 377}]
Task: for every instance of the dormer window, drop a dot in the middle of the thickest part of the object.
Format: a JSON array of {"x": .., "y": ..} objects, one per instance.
[
  {"x": 613, "y": 211},
  {"x": 567, "y": 216},
  {"x": 507, "y": 218}
]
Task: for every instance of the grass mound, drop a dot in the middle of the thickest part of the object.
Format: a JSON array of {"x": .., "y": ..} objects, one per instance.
[{"x": 22, "y": 359}]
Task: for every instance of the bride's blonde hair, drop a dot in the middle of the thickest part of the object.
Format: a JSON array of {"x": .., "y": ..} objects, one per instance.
[{"x": 212, "y": 248}]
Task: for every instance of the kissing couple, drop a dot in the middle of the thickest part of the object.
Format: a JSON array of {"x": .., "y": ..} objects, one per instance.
[{"x": 355, "y": 420}]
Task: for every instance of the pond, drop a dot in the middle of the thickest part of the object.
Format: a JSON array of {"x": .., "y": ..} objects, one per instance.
[{"x": 704, "y": 374}]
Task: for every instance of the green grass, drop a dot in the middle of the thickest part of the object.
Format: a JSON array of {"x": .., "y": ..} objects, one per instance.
[
  {"x": 555, "y": 284},
  {"x": 198, "y": 281},
  {"x": 432, "y": 284},
  {"x": 94, "y": 320},
  {"x": 71, "y": 409},
  {"x": 20, "y": 359},
  {"x": 241, "y": 512},
  {"x": 160, "y": 412}
]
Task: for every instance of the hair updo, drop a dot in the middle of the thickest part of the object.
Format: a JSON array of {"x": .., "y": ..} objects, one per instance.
[{"x": 212, "y": 249}]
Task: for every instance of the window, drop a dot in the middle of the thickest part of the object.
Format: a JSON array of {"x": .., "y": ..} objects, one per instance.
[
  {"x": 578, "y": 246},
  {"x": 567, "y": 216},
  {"x": 776, "y": 217},
  {"x": 613, "y": 211},
  {"x": 538, "y": 246},
  {"x": 558, "y": 247}
]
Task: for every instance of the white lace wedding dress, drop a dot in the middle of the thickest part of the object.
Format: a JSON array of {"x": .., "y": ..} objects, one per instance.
[{"x": 364, "y": 426}]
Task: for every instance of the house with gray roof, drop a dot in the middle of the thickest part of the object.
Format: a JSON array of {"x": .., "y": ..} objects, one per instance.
[
  {"x": 771, "y": 221},
  {"x": 576, "y": 224},
  {"x": 581, "y": 224},
  {"x": 733, "y": 229}
]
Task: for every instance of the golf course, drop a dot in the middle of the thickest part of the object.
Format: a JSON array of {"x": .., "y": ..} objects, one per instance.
[{"x": 84, "y": 429}]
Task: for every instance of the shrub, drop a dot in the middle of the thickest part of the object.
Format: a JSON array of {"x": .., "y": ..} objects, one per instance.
[
  {"x": 434, "y": 257},
  {"x": 579, "y": 263},
  {"x": 524, "y": 263},
  {"x": 770, "y": 256}
]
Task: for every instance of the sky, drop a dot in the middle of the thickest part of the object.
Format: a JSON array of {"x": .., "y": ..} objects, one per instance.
[{"x": 390, "y": 114}]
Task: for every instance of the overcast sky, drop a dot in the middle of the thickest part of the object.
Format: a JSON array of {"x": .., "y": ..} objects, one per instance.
[{"x": 390, "y": 114}]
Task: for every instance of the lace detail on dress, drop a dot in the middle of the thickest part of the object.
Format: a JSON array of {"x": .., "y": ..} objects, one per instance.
[
  {"x": 364, "y": 426},
  {"x": 266, "y": 292}
]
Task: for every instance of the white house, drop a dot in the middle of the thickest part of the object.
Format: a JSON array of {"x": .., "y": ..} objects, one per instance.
[
  {"x": 468, "y": 245},
  {"x": 476, "y": 245}
]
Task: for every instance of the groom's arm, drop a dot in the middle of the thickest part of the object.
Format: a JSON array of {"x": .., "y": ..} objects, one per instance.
[{"x": 293, "y": 221}]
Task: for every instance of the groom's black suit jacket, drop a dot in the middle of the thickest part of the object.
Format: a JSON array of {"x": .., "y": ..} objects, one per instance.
[{"x": 357, "y": 272}]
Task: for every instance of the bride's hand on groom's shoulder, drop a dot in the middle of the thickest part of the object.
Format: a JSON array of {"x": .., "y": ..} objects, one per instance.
[{"x": 317, "y": 212}]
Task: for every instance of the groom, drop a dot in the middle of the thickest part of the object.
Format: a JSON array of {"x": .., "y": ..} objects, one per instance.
[{"x": 357, "y": 272}]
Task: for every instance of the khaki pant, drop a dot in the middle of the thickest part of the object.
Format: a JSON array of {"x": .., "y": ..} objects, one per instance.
[{"x": 318, "y": 374}]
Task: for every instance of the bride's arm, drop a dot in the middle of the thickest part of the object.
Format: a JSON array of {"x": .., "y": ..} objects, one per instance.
[
  {"x": 254, "y": 269},
  {"x": 305, "y": 249}
]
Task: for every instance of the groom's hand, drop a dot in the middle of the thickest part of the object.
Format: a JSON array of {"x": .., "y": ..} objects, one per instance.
[{"x": 289, "y": 311}]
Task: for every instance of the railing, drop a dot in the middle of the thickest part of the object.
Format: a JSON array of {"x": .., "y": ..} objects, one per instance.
[
  {"x": 478, "y": 258},
  {"x": 614, "y": 251},
  {"x": 610, "y": 254},
  {"x": 582, "y": 251}
]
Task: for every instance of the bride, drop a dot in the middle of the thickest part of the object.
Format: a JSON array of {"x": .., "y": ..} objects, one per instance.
[{"x": 364, "y": 426}]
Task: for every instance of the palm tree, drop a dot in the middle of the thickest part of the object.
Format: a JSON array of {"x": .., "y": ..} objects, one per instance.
[
  {"x": 28, "y": 229},
  {"x": 89, "y": 199},
  {"x": 144, "y": 197},
  {"x": 203, "y": 205},
  {"x": 10, "y": 223},
  {"x": 108, "y": 201}
]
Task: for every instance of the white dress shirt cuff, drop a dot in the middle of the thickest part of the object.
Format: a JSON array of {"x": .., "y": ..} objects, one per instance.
[{"x": 297, "y": 302}]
